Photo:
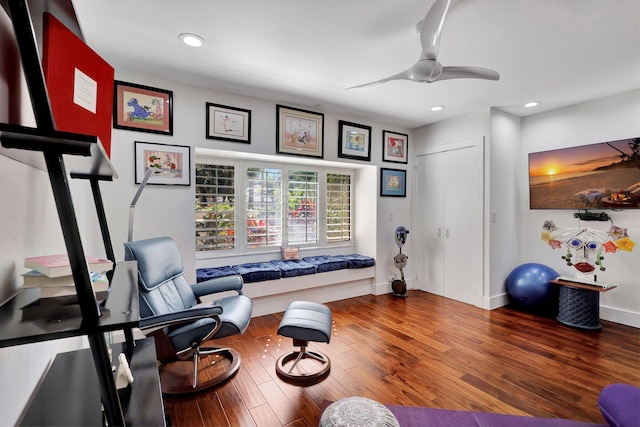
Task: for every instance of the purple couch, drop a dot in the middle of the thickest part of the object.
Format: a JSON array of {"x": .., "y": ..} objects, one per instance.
[
  {"x": 619, "y": 404},
  {"x": 413, "y": 416}
]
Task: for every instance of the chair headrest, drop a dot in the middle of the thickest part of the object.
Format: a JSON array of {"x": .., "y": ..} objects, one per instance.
[{"x": 158, "y": 261}]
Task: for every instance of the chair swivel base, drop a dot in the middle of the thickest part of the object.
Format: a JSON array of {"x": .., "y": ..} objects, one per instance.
[
  {"x": 176, "y": 378},
  {"x": 301, "y": 376}
]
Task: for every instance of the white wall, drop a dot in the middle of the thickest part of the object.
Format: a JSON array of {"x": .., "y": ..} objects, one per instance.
[
  {"x": 28, "y": 226},
  {"x": 607, "y": 119},
  {"x": 504, "y": 199},
  {"x": 168, "y": 210}
]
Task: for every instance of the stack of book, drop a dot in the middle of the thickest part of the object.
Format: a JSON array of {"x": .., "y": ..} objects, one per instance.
[{"x": 52, "y": 274}]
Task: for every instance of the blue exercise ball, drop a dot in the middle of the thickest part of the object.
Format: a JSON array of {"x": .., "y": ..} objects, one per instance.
[{"x": 529, "y": 284}]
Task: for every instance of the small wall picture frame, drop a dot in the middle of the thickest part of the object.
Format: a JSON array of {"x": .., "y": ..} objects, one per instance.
[
  {"x": 172, "y": 163},
  {"x": 395, "y": 147},
  {"x": 354, "y": 141},
  {"x": 299, "y": 132},
  {"x": 227, "y": 123},
  {"x": 393, "y": 182},
  {"x": 142, "y": 108}
]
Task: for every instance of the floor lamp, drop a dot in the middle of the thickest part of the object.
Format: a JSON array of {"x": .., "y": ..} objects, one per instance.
[{"x": 132, "y": 206}]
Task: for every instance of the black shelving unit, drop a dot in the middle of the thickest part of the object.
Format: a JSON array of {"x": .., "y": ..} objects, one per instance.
[
  {"x": 121, "y": 310},
  {"x": 63, "y": 155}
]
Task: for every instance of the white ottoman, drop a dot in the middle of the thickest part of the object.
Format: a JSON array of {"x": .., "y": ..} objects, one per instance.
[{"x": 357, "y": 412}]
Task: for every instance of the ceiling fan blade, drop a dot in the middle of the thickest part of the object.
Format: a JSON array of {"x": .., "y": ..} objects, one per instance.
[
  {"x": 428, "y": 69},
  {"x": 405, "y": 75},
  {"x": 468, "y": 73},
  {"x": 431, "y": 28}
]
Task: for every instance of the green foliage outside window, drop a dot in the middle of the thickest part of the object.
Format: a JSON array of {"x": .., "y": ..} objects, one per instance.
[{"x": 215, "y": 207}]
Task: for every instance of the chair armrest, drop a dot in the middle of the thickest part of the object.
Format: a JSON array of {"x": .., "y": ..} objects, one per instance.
[
  {"x": 150, "y": 324},
  {"x": 218, "y": 284}
]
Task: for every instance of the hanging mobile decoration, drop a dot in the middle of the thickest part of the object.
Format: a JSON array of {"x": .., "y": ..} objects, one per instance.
[{"x": 585, "y": 245}]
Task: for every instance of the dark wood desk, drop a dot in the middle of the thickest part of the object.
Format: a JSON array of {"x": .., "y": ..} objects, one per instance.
[
  {"x": 579, "y": 304},
  {"x": 69, "y": 394}
]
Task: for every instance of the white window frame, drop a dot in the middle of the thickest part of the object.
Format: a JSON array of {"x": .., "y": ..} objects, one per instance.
[
  {"x": 241, "y": 247},
  {"x": 352, "y": 208},
  {"x": 222, "y": 162},
  {"x": 319, "y": 216},
  {"x": 247, "y": 165}
]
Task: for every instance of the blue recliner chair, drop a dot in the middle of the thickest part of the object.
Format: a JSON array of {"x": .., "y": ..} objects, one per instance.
[{"x": 171, "y": 311}]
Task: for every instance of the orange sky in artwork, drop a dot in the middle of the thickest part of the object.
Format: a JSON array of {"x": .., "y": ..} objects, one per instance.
[{"x": 575, "y": 159}]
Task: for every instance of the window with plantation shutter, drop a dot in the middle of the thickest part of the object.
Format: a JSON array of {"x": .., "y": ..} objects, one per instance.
[
  {"x": 302, "y": 204},
  {"x": 245, "y": 207},
  {"x": 263, "y": 204},
  {"x": 215, "y": 207},
  {"x": 338, "y": 196}
]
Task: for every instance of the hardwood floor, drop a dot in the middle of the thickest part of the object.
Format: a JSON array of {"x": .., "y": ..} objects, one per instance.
[{"x": 424, "y": 350}]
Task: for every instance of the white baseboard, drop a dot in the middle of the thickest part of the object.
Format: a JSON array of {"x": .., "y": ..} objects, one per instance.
[
  {"x": 617, "y": 315},
  {"x": 385, "y": 287},
  {"x": 612, "y": 314},
  {"x": 380, "y": 288},
  {"x": 495, "y": 301}
]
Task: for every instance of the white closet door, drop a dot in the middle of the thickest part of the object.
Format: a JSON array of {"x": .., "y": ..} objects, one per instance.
[
  {"x": 449, "y": 221},
  {"x": 430, "y": 230},
  {"x": 459, "y": 236}
]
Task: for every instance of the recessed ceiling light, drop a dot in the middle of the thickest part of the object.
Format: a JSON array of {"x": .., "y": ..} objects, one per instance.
[
  {"x": 191, "y": 39},
  {"x": 531, "y": 104},
  {"x": 437, "y": 108}
]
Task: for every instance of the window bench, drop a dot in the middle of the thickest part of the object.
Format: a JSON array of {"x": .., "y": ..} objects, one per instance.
[{"x": 274, "y": 284}]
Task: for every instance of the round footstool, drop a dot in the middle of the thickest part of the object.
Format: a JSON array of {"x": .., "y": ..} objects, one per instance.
[
  {"x": 356, "y": 412},
  {"x": 304, "y": 321}
]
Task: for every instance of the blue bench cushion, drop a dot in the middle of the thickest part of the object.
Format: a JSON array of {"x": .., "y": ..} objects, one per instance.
[
  {"x": 203, "y": 274},
  {"x": 294, "y": 267},
  {"x": 359, "y": 261},
  {"x": 326, "y": 263},
  {"x": 257, "y": 271}
]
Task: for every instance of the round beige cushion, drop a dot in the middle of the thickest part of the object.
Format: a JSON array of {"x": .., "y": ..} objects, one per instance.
[{"x": 357, "y": 412}]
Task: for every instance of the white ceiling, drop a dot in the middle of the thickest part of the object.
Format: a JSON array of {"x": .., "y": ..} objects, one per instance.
[{"x": 305, "y": 53}]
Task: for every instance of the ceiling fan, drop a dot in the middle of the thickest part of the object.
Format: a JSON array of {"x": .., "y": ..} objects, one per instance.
[{"x": 428, "y": 69}]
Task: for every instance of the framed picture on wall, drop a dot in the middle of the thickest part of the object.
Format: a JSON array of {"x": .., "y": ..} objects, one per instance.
[
  {"x": 395, "y": 147},
  {"x": 393, "y": 182},
  {"x": 171, "y": 163},
  {"x": 228, "y": 123},
  {"x": 354, "y": 141},
  {"x": 299, "y": 132},
  {"x": 142, "y": 108}
]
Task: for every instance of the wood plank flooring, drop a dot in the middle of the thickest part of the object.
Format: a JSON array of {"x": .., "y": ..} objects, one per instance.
[{"x": 424, "y": 350}]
